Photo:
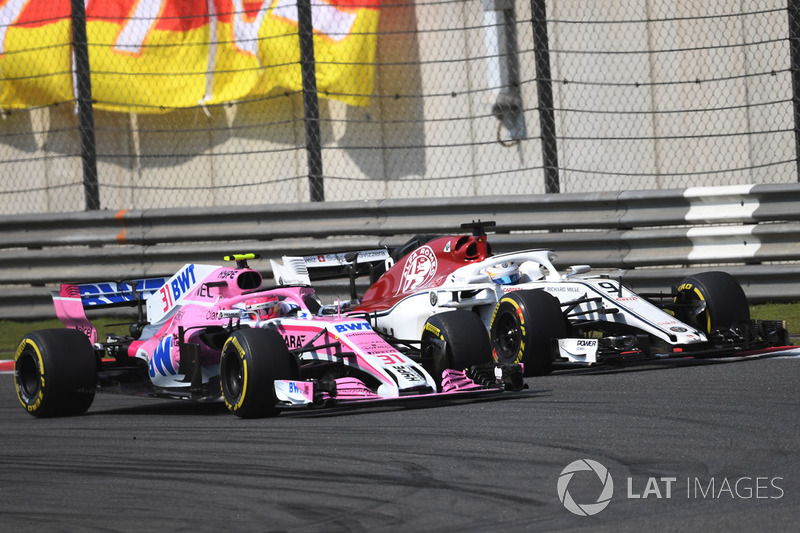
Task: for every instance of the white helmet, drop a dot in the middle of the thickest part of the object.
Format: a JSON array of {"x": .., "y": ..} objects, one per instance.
[{"x": 505, "y": 273}]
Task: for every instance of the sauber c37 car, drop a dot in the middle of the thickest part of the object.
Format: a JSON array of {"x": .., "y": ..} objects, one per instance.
[
  {"x": 213, "y": 332},
  {"x": 539, "y": 316}
]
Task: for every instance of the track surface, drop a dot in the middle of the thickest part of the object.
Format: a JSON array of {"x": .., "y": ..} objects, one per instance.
[{"x": 491, "y": 465}]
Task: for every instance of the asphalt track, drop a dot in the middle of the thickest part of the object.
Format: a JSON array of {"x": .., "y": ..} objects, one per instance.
[{"x": 720, "y": 439}]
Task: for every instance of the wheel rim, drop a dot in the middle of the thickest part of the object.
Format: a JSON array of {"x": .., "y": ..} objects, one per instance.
[
  {"x": 234, "y": 376},
  {"x": 699, "y": 317},
  {"x": 28, "y": 376},
  {"x": 507, "y": 335}
]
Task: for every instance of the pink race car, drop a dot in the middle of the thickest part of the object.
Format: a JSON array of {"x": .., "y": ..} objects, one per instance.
[{"x": 213, "y": 332}]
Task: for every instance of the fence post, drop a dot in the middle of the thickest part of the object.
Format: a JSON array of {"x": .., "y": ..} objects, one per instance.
[
  {"x": 794, "y": 51},
  {"x": 310, "y": 101},
  {"x": 83, "y": 88},
  {"x": 544, "y": 91}
]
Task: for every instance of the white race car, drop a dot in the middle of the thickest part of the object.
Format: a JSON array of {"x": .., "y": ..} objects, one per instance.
[{"x": 539, "y": 316}]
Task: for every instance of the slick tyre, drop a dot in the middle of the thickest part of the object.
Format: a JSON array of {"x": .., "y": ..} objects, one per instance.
[
  {"x": 455, "y": 339},
  {"x": 55, "y": 373},
  {"x": 523, "y": 326},
  {"x": 252, "y": 359},
  {"x": 716, "y": 301}
]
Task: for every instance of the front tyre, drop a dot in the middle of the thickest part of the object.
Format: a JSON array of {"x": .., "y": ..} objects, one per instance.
[
  {"x": 455, "y": 340},
  {"x": 712, "y": 301},
  {"x": 524, "y": 324},
  {"x": 55, "y": 373},
  {"x": 251, "y": 361}
]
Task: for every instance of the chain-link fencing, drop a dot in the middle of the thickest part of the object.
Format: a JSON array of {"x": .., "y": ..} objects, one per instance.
[{"x": 230, "y": 102}]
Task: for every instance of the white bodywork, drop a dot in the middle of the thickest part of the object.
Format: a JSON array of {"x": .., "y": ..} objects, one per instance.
[{"x": 470, "y": 287}]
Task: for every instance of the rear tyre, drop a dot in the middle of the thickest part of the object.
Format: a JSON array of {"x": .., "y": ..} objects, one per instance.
[
  {"x": 718, "y": 302},
  {"x": 524, "y": 324},
  {"x": 55, "y": 373},
  {"x": 456, "y": 340},
  {"x": 251, "y": 361}
]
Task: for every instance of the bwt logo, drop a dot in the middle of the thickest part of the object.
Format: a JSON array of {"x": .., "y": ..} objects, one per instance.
[
  {"x": 585, "y": 509},
  {"x": 353, "y": 326}
]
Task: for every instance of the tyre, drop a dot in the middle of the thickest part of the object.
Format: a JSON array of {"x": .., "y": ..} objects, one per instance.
[
  {"x": 455, "y": 339},
  {"x": 251, "y": 361},
  {"x": 55, "y": 373},
  {"x": 725, "y": 304},
  {"x": 523, "y": 326}
]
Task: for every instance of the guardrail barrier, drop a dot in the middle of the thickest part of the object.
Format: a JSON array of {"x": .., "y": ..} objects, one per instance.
[{"x": 653, "y": 238}]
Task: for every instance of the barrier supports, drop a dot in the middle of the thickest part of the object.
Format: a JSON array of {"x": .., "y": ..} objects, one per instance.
[
  {"x": 544, "y": 90},
  {"x": 84, "y": 102},
  {"x": 305, "y": 31},
  {"x": 794, "y": 50}
]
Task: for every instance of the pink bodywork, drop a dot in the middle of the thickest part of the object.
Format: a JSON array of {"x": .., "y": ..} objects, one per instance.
[{"x": 203, "y": 299}]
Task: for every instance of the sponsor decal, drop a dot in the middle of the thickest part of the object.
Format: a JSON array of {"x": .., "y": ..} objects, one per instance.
[
  {"x": 511, "y": 288},
  {"x": 433, "y": 329},
  {"x": 352, "y": 326},
  {"x": 294, "y": 341},
  {"x": 419, "y": 269},
  {"x": 161, "y": 362},
  {"x": 223, "y": 314},
  {"x": 407, "y": 373},
  {"x": 178, "y": 286},
  {"x": 562, "y": 288},
  {"x": 226, "y": 274},
  {"x": 678, "y": 329},
  {"x": 298, "y": 388},
  {"x": 294, "y": 392},
  {"x": 111, "y": 293},
  {"x": 370, "y": 343}
]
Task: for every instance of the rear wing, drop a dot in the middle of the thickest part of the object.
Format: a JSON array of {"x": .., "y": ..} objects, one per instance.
[
  {"x": 72, "y": 300},
  {"x": 301, "y": 270},
  {"x": 111, "y": 293}
]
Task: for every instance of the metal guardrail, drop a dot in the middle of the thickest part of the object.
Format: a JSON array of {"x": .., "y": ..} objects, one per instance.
[{"x": 655, "y": 237}]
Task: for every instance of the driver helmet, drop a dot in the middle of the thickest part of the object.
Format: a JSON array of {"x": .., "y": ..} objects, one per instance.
[
  {"x": 505, "y": 273},
  {"x": 262, "y": 307}
]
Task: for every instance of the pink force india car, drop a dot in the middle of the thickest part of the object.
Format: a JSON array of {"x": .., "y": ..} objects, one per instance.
[
  {"x": 213, "y": 332},
  {"x": 541, "y": 317}
]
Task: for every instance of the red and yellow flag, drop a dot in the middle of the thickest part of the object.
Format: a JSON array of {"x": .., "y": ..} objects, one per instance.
[
  {"x": 155, "y": 55},
  {"x": 35, "y": 53},
  {"x": 345, "y": 39}
]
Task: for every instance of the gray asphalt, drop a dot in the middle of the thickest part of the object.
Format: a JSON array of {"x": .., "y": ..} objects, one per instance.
[{"x": 722, "y": 437}]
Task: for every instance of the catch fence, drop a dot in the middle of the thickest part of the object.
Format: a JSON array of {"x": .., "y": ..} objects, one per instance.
[{"x": 181, "y": 104}]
